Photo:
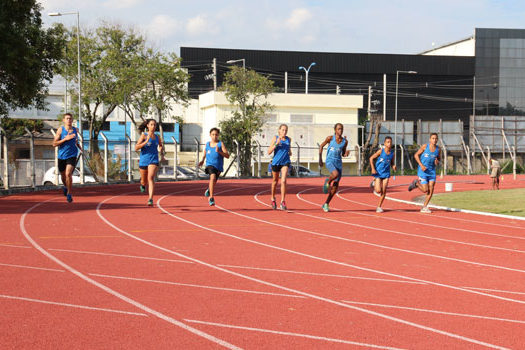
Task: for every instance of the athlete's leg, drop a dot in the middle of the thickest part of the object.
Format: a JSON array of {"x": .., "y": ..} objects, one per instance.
[
  {"x": 377, "y": 185},
  {"x": 152, "y": 171},
  {"x": 336, "y": 176},
  {"x": 213, "y": 181},
  {"x": 69, "y": 177},
  {"x": 275, "y": 179},
  {"x": 143, "y": 177},
  {"x": 384, "y": 185},
  {"x": 430, "y": 192},
  {"x": 284, "y": 174}
]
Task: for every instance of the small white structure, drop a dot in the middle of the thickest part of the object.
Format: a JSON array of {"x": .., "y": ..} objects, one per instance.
[
  {"x": 463, "y": 47},
  {"x": 310, "y": 119}
]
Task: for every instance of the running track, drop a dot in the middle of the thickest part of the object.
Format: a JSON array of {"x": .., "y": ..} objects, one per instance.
[{"x": 108, "y": 272}]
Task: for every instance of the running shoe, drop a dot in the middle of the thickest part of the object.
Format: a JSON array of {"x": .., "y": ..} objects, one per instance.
[
  {"x": 142, "y": 189},
  {"x": 69, "y": 198},
  {"x": 64, "y": 190},
  {"x": 379, "y": 210},
  {"x": 426, "y": 210},
  {"x": 211, "y": 201},
  {"x": 274, "y": 205},
  {"x": 325, "y": 208},
  {"x": 326, "y": 186},
  {"x": 150, "y": 202},
  {"x": 412, "y": 185},
  {"x": 283, "y": 205},
  {"x": 207, "y": 193}
]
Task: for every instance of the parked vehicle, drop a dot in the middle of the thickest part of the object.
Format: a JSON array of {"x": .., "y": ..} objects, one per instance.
[
  {"x": 191, "y": 170},
  {"x": 49, "y": 177},
  {"x": 166, "y": 172},
  {"x": 292, "y": 171}
]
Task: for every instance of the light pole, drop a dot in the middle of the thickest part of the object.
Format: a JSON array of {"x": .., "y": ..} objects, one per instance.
[
  {"x": 239, "y": 60},
  {"x": 55, "y": 14},
  {"x": 395, "y": 111},
  {"x": 306, "y": 71}
]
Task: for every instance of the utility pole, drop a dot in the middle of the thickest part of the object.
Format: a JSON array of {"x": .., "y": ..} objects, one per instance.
[
  {"x": 214, "y": 74},
  {"x": 337, "y": 90},
  {"x": 286, "y": 82},
  {"x": 384, "y": 97},
  {"x": 369, "y": 99}
]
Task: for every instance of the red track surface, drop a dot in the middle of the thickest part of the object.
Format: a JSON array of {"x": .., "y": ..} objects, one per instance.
[{"x": 107, "y": 272}]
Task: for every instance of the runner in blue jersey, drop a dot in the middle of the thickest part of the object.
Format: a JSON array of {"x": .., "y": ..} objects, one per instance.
[
  {"x": 427, "y": 157},
  {"x": 149, "y": 145},
  {"x": 334, "y": 162},
  {"x": 214, "y": 155},
  {"x": 381, "y": 170},
  {"x": 66, "y": 139},
  {"x": 281, "y": 150}
]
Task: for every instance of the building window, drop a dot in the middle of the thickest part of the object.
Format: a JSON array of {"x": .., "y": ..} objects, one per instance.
[
  {"x": 105, "y": 126},
  {"x": 301, "y": 119},
  {"x": 22, "y": 154},
  {"x": 270, "y": 118},
  {"x": 168, "y": 127},
  {"x": 121, "y": 123}
]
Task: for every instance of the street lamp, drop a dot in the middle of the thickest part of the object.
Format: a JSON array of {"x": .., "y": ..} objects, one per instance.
[
  {"x": 58, "y": 14},
  {"x": 307, "y": 70},
  {"x": 395, "y": 112},
  {"x": 239, "y": 60}
]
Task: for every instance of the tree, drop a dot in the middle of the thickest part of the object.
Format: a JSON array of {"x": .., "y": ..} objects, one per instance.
[
  {"x": 17, "y": 127},
  {"x": 156, "y": 83},
  {"x": 247, "y": 91},
  {"x": 106, "y": 55},
  {"x": 28, "y": 55}
]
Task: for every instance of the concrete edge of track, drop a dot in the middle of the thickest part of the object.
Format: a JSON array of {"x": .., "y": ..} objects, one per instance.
[{"x": 468, "y": 211}]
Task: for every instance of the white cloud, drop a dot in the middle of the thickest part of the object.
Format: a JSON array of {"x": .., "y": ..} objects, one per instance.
[
  {"x": 162, "y": 26},
  {"x": 121, "y": 4},
  {"x": 298, "y": 17},
  {"x": 201, "y": 24}
]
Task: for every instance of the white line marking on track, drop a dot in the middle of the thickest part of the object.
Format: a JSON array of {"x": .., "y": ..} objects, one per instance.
[
  {"x": 120, "y": 255},
  {"x": 333, "y": 340},
  {"x": 419, "y": 222},
  {"x": 434, "y": 330},
  {"x": 359, "y": 267},
  {"x": 496, "y": 290},
  {"x": 14, "y": 246},
  {"x": 72, "y": 305},
  {"x": 197, "y": 286},
  {"x": 319, "y": 274},
  {"x": 298, "y": 195},
  {"x": 32, "y": 267},
  {"x": 113, "y": 292},
  {"x": 435, "y": 311}
]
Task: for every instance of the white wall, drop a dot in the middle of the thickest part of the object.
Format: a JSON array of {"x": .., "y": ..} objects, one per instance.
[{"x": 462, "y": 48}]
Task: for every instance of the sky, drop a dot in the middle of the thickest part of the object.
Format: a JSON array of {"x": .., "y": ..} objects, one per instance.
[{"x": 380, "y": 26}]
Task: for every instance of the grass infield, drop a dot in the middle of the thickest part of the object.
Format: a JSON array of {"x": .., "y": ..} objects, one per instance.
[{"x": 508, "y": 202}]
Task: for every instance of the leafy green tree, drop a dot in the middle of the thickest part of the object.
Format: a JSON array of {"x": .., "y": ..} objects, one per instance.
[
  {"x": 28, "y": 55},
  {"x": 247, "y": 91},
  {"x": 17, "y": 127},
  {"x": 106, "y": 55}
]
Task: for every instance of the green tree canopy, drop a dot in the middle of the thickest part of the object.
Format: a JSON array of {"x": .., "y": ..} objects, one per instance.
[
  {"x": 28, "y": 55},
  {"x": 247, "y": 91}
]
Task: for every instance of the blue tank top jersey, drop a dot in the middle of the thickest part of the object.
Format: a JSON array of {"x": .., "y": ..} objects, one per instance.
[
  {"x": 428, "y": 157},
  {"x": 334, "y": 155},
  {"x": 281, "y": 153},
  {"x": 149, "y": 153},
  {"x": 69, "y": 148},
  {"x": 213, "y": 158},
  {"x": 383, "y": 164}
]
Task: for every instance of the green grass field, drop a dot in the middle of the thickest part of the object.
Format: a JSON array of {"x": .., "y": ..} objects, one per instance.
[{"x": 508, "y": 202}]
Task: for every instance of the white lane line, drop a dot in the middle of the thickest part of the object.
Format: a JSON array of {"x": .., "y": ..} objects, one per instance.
[
  {"x": 319, "y": 274},
  {"x": 367, "y": 243},
  {"x": 298, "y": 195},
  {"x": 300, "y": 335},
  {"x": 72, "y": 305},
  {"x": 435, "y": 311},
  {"x": 327, "y": 300},
  {"x": 120, "y": 255},
  {"x": 362, "y": 242},
  {"x": 496, "y": 290},
  {"x": 14, "y": 246},
  {"x": 32, "y": 267},
  {"x": 113, "y": 292},
  {"x": 420, "y": 222},
  {"x": 197, "y": 286}
]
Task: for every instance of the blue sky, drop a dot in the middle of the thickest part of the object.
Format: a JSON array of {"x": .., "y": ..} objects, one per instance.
[{"x": 381, "y": 26}]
